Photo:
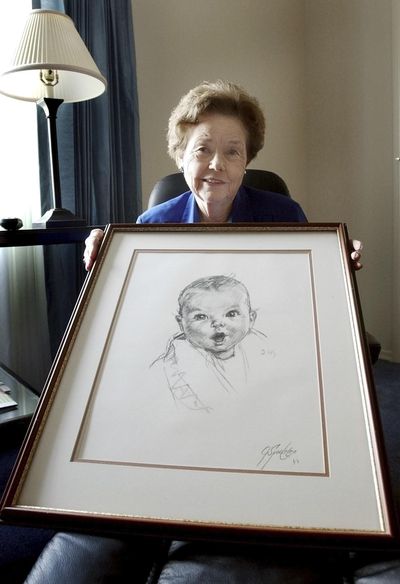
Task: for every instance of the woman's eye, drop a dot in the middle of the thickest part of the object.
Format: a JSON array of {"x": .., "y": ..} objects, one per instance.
[
  {"x": 233, "y": 152},
  {"x": 232, "y": 313},
  {"x": 202, "y": 150}
]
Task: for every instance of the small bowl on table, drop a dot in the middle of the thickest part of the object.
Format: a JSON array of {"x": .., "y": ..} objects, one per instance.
[{"x": 11, "y": 223}]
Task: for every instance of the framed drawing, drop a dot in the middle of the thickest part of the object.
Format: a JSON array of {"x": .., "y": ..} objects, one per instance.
[{"x": 214, "y": 381}]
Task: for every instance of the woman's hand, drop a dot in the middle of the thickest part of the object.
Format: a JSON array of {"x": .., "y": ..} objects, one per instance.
[
  {"x": 355, "y": 253},
  {"x": 92, "y": 244}
]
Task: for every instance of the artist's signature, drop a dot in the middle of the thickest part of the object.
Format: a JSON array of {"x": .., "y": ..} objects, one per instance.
[{"x": 277, "y": 452}]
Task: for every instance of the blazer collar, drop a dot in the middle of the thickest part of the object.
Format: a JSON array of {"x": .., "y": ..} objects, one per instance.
[
  {"x": 241, "y": 211},
  {"x": 191, "y": 211}
]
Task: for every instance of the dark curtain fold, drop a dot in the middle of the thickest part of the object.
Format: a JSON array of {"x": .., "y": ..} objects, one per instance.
[
  {"x": 106, "y": 129},
  {"x": 98, "y": 143}
]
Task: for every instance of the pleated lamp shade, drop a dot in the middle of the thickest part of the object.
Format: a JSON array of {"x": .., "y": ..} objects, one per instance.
[{"x": 50, "y": 42}]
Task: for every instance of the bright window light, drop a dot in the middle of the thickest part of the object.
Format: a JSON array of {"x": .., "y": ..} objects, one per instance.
[{"x": 19, "y": 190}]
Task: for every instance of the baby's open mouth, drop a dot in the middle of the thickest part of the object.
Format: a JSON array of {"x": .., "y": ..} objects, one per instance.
[{"x": 219, "y": 338}]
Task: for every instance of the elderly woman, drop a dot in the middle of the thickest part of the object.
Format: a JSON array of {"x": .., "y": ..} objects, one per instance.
[{"x": 213, "y": 133}]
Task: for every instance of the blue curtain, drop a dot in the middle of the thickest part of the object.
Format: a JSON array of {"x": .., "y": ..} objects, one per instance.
[
  {"x": 98, "y": 143},
  {"x": 98, "y": 140}
]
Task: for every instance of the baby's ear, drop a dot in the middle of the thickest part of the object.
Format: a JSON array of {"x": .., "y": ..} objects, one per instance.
[
  {"x": 179, "y": 320},
  {"x": 253, "y": 316}
]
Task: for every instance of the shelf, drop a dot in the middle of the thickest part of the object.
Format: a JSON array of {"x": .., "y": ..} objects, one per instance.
[{"x": 25, "y": 237}]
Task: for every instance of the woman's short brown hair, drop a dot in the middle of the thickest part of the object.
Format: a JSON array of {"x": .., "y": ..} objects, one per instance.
[{"x": 219, "y": 97}]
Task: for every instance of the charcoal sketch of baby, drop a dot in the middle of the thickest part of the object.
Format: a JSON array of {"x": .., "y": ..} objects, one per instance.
[{"x": 218, "y": 350}]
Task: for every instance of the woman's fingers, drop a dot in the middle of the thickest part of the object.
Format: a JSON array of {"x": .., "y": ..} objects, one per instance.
[
  {"x": 92, "y": 244},
  {"x": 355, "y": 254}
]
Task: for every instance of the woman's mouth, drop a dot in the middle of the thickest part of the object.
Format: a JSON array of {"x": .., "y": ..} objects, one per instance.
[{"x": 214, "y": 181}]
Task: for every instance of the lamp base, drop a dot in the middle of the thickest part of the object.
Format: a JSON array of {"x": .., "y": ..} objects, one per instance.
[{"x": 54, "y": 218}]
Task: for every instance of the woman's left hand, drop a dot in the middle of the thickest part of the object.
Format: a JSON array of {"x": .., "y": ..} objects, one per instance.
[{"x": 355, "y": 253}]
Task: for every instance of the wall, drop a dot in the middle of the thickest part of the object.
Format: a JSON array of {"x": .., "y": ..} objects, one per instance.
[
  {"x": 349, "y": 138},
  {"x": 321, "y": 69},
  {"x": 396, "y": 180},
  {"x": 257, "y": 43}
]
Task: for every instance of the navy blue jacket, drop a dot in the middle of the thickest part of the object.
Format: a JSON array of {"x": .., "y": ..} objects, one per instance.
[{"x": 250, "y": 205}]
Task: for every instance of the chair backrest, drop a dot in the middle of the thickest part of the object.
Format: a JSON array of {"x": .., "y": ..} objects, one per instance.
[{"x": 173, "y": 185}]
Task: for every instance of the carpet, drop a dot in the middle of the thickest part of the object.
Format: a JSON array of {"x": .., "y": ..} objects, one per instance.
[{"x": 387, "y": 385}]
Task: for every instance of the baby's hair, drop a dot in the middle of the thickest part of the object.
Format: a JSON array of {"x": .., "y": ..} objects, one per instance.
[{"x": 211, "y": 283}]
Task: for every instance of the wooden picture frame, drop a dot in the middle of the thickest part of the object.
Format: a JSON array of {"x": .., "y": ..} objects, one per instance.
[{"x": 214, "y": 381}]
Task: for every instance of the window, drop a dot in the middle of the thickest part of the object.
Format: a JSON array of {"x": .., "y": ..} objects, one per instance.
[{"x": 19, "y": 190}]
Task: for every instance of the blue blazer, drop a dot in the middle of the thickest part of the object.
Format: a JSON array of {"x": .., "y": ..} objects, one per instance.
[{"x": 250, "y": 205}]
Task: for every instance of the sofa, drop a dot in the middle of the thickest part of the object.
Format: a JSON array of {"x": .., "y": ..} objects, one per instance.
[{"x": 86, "y": 559}]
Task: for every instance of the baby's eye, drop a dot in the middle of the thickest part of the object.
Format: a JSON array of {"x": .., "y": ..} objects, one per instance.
[
  {"x": 199, "y": 316},
  {"x": 232, "y": 313}
]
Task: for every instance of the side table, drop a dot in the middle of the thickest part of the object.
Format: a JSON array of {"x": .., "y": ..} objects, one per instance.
[{"x": 25, "y": 397}]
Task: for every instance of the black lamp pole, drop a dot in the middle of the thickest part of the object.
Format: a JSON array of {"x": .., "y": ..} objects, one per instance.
[
  {"x": 56, "y": 217},
  {"x": 50, "y": 107}
]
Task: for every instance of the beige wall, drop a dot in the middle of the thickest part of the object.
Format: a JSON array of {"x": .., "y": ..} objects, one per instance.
[
  {"x": 322, "y": 72},
  {"x": 258, "y": 43},
  {"x": 349, "y": 138},
  {"x": 396, "y": 177}
]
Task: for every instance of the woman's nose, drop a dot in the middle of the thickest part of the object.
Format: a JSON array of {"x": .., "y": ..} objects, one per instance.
[{"x": 217, "y": 162}]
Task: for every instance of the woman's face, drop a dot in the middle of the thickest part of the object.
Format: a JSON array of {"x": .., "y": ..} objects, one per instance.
[{"x": 214, "y": 161}]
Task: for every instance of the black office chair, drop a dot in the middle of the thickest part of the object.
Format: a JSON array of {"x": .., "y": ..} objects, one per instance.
[{"x": 173, "y": 185}]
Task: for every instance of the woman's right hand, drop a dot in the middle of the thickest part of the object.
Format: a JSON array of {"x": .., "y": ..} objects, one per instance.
[{"x": 92, "y": 244}]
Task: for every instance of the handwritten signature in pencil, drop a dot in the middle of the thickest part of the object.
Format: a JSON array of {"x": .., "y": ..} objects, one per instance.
[{"x": 277, "y": 452}]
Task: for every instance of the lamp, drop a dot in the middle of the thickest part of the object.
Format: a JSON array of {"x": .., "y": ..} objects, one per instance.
[{"x": 52, "y": 65}]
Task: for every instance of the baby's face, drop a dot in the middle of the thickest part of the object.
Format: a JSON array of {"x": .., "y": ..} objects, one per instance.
[{"x": 216, "y": 320}]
